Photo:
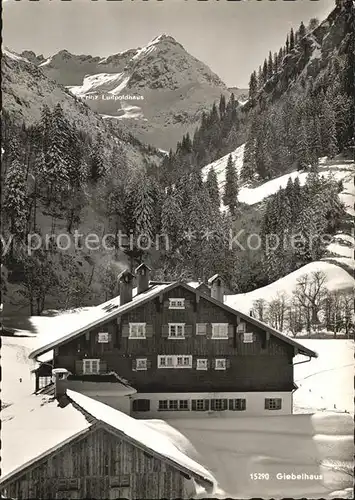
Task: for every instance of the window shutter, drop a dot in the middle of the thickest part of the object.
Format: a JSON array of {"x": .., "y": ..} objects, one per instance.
[
  {"x": 207, "y": 404},
  {"x": 201, "y": 328},
  {"x": 149, "y": 364},
  {"x": 225, "y": 404},
  {"x": 193, "y": 406},
  {"x": 165, "y": 331},
  {"x": 266, "y": 405},
  {"x": 228, "y": 363},
  {"x": 188, "y": 330},
  {"x": 125, "y": 330},
  {"x": 187, "y": 303},
  {"x": 230, "y": 331},
  {"x": 230, "y": 404},
  {"x": 148, "y": 330},
  {"x": 103, "y": 367},
  {"x": 166, "y": 303},
  {"x": 134, "y": 364},
  {"x": 208, "y": 330},
  {"x": 78, "y": 367}
]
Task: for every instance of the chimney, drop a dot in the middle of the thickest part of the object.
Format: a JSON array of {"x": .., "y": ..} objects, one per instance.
[
  {"x": 59, "y": 378},
  {"x": 143, "y": 275},
  {"x": 217, "y": 287},
  {"x": 125, "y": 280}
]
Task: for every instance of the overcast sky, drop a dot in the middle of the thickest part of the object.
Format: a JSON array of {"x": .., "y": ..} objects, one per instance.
[{"x": 231, "y": 37}]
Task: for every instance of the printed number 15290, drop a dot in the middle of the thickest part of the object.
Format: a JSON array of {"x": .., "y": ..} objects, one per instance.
[{"x": 260, "y": 476}]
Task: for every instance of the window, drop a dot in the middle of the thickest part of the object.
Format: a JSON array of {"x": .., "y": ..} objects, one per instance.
[
  {"x": 176, "y": 303},
  {"x": 184, "y": 361},
  {"x": 103, "y": 337},
  {"x": 183, "y": 404},
  {"x": 91, "y": 366},
  {"x": 176, "y": 330},
  {"x": 44, "y": 381},
  {"x": 65, "y": 484},
  {"x": 137, "y": 330},
  {"x": 219, "y": 330},
  {"x": 180, "y": 361},
  {"x": 219, "y": 404},
  {"x": 173, "y": 405},
  {"x": 201, "y": 328},
  {"x": 163, "y": 405},
  {"x": 165, "y": 362},
  {"x": 200, "y": 404},
  {"x": 123, "y": 480},
  {"x": 248, "y": 337},
  {"x": 141, "y": 405},
  {"x": 202, "y": 364},
  {"x": 273, "y": 403},
  {"x": 69, "y": 494},
  {"x": 220, "y": 364},
  {"x": 241, "y": 327},
  {"x": 141, "y": 364},
  {"x": 118, "y": 493},
  {"x": 237, "y": 404}
]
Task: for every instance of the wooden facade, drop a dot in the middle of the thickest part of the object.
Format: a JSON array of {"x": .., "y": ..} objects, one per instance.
[
  {"x": 265, "y": 364},
  {"x": 99, "y": 464}
]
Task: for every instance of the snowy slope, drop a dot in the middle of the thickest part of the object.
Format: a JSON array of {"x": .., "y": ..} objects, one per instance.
[
  {"x": 327, "y": 381},
  {"x": 339, "y": 169},
  {"x": 337, "y": 279}
]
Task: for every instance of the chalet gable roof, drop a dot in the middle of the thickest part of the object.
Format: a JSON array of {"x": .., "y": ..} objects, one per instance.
[
  {"x": 40, "y": 427},
  {"x": 111, "y": 309}
]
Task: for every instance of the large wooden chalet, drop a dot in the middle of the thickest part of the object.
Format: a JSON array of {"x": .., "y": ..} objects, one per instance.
[
  {"x": 71, "y": 446},
  {"x": 176, "y": 350}
]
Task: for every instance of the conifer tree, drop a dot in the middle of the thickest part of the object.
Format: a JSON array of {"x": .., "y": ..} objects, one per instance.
[
  {"x": 301, "y": 31},
  {"x": 172, "y": 221},
  {"x": 97, "y": 163},
  {"x": 15, "y": 198},
  {"x": 264, "y": 71},
  {"x": 212, "y": 188},
  {"x": 269, "y": 66},
  {"x": 292, "y": 40},
  {"x": 328, "y": 130},
  {"x": 230, "y": 198},
  {"x": 253, "y": 86},
  {"x": 287, "y": 45},
  {"x": 279, "y": 58},
  {"x": 57, "y": 168},
  {"x": 260, "y": 78},
  {"x": 302, "y": 147},
  {"x": 275, "y": 63},
  {"x": 222, "y": 105}
]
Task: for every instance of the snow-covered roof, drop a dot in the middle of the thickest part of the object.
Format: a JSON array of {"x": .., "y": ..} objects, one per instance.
[
  {"x": 141, "y": 434},
  {"x": 32, "y": 428},
  {"x": 37, "y": 426},
  {"x": 104, "y": 312},
  {"x": 78, "y": 323}
]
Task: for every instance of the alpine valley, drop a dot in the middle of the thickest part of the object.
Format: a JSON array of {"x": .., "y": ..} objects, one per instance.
[{"x": 85, "y": 144}]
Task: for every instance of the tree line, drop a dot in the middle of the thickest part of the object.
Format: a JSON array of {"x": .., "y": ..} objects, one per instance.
[{"x": 310, "y": 309}]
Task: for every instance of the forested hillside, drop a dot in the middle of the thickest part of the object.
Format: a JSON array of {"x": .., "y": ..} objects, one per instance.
[{"x": 66, "y": 170}]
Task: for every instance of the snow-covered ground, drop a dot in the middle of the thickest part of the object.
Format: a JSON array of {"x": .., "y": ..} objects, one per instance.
[
  {"x": 233, "y": 449},
  {"x": 339, "y": 169},
  {"x": 327, "y": 381},
  {"x": 337, "y": 279},
  {"x": 312, "y": 441}
]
